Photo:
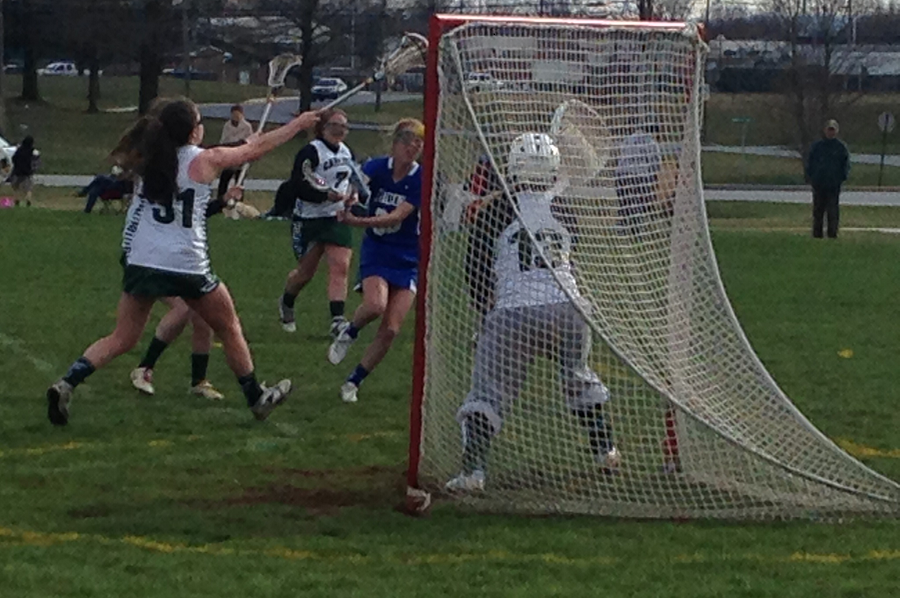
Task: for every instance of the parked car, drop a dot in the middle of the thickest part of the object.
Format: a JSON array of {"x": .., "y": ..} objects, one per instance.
[
  {"x": 196, "y": 75},
  {"x": 65, "y": 69},
  {"x": 328, "y": 88},
  {"x": 14, "y": 68},
  {"x": 482, "y": 82}
]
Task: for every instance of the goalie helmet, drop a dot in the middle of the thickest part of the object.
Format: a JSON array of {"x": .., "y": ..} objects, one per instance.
[{"x": 533, "y": 159}]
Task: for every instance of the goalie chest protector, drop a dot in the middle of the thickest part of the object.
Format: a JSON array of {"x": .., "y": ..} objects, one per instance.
[
  {"x": 524, "y": 267},
  {"x": 334, "y": 169}
]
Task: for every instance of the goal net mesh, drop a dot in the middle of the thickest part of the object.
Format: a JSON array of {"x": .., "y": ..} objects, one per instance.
[{"x": 616, "y": 297}]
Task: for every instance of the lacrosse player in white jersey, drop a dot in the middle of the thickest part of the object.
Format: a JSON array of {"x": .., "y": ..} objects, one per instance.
[
  {"x": 532, "y": 314},
  {"x": 321, "y": 179},
  {"x": 165, "y": 245}
]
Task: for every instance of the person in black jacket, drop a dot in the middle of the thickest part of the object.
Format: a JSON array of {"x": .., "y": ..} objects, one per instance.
[
  {"x": 827, "y": 168},
  {"x": 24, "y": 162}
]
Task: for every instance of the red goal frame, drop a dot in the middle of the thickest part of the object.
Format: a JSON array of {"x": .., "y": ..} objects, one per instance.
[{"x": 438, "y": 25}]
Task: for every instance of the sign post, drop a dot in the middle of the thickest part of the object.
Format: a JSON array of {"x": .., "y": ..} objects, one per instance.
[
  {"x": 886, "y": 123},
  {"x": 744, "y": 121}
]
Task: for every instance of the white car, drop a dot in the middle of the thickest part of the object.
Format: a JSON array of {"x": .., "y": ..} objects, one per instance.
[
  {"x": 65, "y": 69},
  {"x": 482, "y": 82},
  {"x": 328, "y": 88}
]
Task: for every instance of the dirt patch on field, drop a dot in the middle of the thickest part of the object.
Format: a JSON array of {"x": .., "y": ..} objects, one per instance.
[{"x": 326, "y": 491}]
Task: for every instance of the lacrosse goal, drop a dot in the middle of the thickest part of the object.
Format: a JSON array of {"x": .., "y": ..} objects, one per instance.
[{"x": 701, "y": 428}]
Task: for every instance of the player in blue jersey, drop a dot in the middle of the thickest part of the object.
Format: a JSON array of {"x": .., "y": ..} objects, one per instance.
[{"x": 389, "y": 257}]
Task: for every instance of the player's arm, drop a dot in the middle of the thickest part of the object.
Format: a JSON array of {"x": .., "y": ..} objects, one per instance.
[
  {"x": 490, "y": 221},
  {"x": 205, "y": 168},
  {"x": 399, "y": 214}
]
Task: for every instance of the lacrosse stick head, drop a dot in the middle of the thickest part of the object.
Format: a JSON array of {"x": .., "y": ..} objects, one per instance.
[
  {"x": 408, "y": 55},
  {"x": 279, "y": 68},
  {"x": 584, "y": 142}
]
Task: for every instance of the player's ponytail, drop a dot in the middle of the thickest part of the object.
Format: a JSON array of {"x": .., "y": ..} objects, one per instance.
[{"x": 149, "y": 149}]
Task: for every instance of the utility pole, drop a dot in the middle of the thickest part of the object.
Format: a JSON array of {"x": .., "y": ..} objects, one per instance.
[{"x": 2, "y": 101}]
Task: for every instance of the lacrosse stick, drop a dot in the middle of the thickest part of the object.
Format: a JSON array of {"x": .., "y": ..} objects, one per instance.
[
  {"x": 408, "y": 55},
  {"x": 356, "y": 179},
  {"x": 583, "y": 140},
  {"x": 278, "y": 70}
]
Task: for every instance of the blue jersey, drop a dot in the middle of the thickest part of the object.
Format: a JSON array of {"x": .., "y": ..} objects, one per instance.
[{"x": 400, "y": 242}]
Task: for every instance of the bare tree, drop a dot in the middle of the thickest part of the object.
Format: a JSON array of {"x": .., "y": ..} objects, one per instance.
[
  {"x": 812, "y": 82},
  {"x": 673, "y": 10}
]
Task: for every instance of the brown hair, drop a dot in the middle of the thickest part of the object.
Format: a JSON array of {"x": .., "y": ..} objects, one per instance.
[
  {"x": 326, "y": 116},
  {"x": 237, "y": 108},
  {"x": 149, "y": 149}
]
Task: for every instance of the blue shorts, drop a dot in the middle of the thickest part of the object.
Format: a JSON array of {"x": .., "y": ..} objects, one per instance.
[{"x": 377, "y": 261}]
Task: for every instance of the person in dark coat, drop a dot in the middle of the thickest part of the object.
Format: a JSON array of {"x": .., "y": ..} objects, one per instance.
[{"x": 826, "y": 170}]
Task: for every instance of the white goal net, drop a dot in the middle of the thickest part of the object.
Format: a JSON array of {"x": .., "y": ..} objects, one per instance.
[{"x": 579, "y": 352}]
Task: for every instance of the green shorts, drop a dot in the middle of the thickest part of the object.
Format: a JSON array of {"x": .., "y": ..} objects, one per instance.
[
  {"x": 311, "y": 231},
  {"x": 141, "y": 281}
]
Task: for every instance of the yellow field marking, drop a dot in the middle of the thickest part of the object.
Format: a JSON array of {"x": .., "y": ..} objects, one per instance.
[
  {"x": 861, "y": 451},
  {"x": 166, "y": 443},
  {"x": 13, "y": 538}
]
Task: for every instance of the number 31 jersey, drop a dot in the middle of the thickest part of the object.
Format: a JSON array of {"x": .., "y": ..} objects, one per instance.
[
  {"x": 170, "y": 238},
  {"x": 525, "y": 267}
]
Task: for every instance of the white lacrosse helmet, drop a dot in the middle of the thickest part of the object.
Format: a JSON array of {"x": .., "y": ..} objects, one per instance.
[{"x": 533, "y": 159}]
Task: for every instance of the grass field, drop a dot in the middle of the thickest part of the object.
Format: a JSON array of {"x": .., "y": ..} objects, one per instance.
[
  {"x": 173, "y": 496},
  {"x": 73, "y": 142}
]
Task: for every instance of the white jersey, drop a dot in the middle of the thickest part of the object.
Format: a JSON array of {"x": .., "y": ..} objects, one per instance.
[
  {"x": 523, "y": 277},
  {"x": 333, "y": 169},
  {"x": 170, "y": 238}
]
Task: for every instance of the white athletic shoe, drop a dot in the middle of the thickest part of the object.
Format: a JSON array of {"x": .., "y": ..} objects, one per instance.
[
  {"x": 142, "y": 379},
  {"x": 348, "y": 392},
  {"x": 338, "y": 349},
  {"x": 286, "y": 314},
  {"x": 609, "y": 461},
  {"x": 471, "y": 482},
  {"x": 338, "y": 323},
  {"x": 206, "y": 390},
  {"x": 270, "y": 399},
  {"x": 58, "y": 398}
]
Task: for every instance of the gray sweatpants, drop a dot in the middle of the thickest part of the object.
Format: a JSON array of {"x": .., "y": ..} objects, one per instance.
[{"x": 510, "y": 341}]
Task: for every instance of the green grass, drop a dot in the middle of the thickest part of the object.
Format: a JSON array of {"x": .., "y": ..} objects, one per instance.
[
  {"x": 773, "y": 123},
  {"x": 73, "y": 142},
  {"x": 173, "y": 496},
  {"x": 719, "y": 168}
]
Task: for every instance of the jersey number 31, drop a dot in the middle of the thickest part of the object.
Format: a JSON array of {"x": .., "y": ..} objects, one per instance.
[{"x": 165, "y": 214}]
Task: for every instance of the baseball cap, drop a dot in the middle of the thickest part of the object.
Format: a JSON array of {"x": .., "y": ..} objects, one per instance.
[{"x": 832, "y": 124}]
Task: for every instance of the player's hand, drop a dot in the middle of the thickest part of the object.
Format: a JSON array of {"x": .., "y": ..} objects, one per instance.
[
  {"x": 350, "y": 200},
  {"x": 233, "y": 194},
  {"x": 336, "y": 197},
  {"x": 471, "y": 212},
  {"x": 308, "y": 119}
]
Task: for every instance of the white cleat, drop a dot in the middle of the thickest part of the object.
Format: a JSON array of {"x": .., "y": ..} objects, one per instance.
[
  {"x": 286, "y": 314},
  {"x": 466, "y": 482},
  {"x": 338, "y": 349},
  {"x": 270, "y": 399},
  {"x": 349, "y": 391},
  {"x": 142, "y": 379},
  {"x": 609, "y": 461},
  {"x": 337, "y": 324},
  {"x": 58, "y": 398},
  {"x": 206, "y": 390}
]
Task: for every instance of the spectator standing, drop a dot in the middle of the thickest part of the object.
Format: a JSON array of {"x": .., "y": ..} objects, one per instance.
[
  {"x": 636, "y": 172},
  {"x": 24, "y": 163},
  {"x": 827, "y": 168},
  {"x": 235, "y": 131}
]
